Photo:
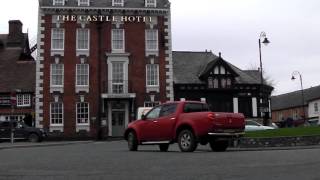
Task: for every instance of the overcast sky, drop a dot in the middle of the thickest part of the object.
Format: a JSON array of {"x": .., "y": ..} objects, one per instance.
[{"x": 232, "y": 27}]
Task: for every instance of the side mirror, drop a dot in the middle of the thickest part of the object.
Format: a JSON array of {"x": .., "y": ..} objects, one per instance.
[{"x": 143, "y": 117}]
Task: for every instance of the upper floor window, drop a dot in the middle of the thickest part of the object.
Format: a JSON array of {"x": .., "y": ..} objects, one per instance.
[
  {"x": 82, "y": 75},
  {"x": 151, "y": 3},
  {"x": 117, "y": 2},
  {"x": 56, "y": 113},
  {"x": 57, "y": 39},
  {"x": 316, "y": 108},
  {"x": 23, "y": 100},
  {"x": 83, "y": 39},
  {"x": 152, "y": 40},
  {"x": 152, "y": 74},
  {"x": 58, "y": 2},
  {"x": 57, "y": 71},
  {"x": 118, "y": 40},
  {"x": 83, "y": 2}
]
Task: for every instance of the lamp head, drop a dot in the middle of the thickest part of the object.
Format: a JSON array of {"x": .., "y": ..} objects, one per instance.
[
  {"x": 293, "y": 78},
  {"x": 266, "y": 41}
]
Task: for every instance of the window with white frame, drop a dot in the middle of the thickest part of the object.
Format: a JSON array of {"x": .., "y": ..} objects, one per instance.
[
  {"x": 118, "y": 40},
  {"x": 56, "y": 113},
  {"x": 151, "y": 3},
  {"x": 117, "y": 2},
  {"x": 83, "y": 2},
  {"x": 82, "y": 75},
  {"x": 58, "y": 2},
  {"x": 83, "y": 39},
  {"x": 152, "y": 74},
  {"x": 57, "y": 39},
  {"x": 117, "y": 77},
  {"x": 316, "y": 108},
  {"x": 152, "y": 40},
  {"x": 57, "y": 71},
  {"x": 83, "y": 113},
  {"x": 23, "y": 100}
]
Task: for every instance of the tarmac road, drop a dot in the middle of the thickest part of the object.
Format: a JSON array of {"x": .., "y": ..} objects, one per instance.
[{"x": 112, "y": 160}]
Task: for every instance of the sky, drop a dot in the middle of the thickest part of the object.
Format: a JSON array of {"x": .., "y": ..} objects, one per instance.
[{"x": 232, "y": 27}]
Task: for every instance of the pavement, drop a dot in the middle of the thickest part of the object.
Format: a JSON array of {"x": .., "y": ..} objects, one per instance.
[{"x": 8, "y": 145}]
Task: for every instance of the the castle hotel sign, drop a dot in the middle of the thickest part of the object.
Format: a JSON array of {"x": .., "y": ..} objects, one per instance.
[{"x": 103, "y": 18}]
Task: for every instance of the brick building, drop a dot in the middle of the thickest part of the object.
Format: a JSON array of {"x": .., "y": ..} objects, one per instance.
[
  {"x": 17, "y": 75},
  {"x": 290, "y": 105},
  {"x": 98, "y": 61}
]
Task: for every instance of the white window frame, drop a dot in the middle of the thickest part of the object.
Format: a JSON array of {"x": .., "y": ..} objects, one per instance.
[
  {"x": 83, "y": 2},
  {"x": 118, "y": 3},
  {"x": 151, "y": 3},
  {"x": 56, "y": 119},
  {"x": 115, "y": 49},
  {"x": 118, "y": 85},
  {"x": 23, "y": 100},
  {"x": 88, "y": 113},
  {"x": 316, "y": 107},
  {"x": 58, "y": 2},
  {"x": 79, "y": 73},
  {"x": 51, "y": 76},
  {"x": 149, "y": 78},
  {"x": 152, "y": 39},
  {"x": 54, "y": 39},
  {"x": 87, "y": 38}
]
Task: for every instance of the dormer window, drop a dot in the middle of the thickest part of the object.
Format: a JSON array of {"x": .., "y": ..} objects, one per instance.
[
  {"x": 117, "y": 3},
  {"x": 151, "y": 3},
  {"x": 58, "y": 2},
  {"x": 83, "y": 2}
]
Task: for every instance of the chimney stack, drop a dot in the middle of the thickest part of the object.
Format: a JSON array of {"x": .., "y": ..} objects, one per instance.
[{"x": 15, "y": 32}]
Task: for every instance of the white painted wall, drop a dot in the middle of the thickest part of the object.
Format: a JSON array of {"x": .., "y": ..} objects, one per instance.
[{"x": 311, "y": 109}]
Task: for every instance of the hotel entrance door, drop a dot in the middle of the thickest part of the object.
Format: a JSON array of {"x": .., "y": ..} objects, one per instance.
[{"x": 118, "y": 123}]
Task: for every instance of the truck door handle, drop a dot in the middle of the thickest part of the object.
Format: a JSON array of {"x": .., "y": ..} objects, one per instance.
[
  {"x": 155, "y": 121},
  {"x": 173, "y": 118}
]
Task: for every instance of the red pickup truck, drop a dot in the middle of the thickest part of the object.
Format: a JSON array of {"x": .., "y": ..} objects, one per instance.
[{"x": 187, "y": 123}]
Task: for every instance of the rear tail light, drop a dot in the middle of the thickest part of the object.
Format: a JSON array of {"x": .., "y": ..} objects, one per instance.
[{"x": 211, "y": 116}]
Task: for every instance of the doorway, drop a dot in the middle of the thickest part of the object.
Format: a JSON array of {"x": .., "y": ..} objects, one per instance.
[{"x": 118, "y": 123}]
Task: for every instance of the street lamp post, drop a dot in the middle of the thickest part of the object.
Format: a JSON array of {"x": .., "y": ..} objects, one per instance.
[
  {"x": 295, "y": 73},
  {"x": 262, "y": 39}
]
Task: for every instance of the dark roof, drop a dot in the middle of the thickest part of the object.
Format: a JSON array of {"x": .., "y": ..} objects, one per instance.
[
  {"x": 17, "y": 66},
  {"x": 188, "y": 66},
  {"x": 294, "y": 99},
  {"x": 108, "y": 3}
]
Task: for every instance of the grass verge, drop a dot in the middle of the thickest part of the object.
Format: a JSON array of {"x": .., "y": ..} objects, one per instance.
[{"x": 285, "y": 132}]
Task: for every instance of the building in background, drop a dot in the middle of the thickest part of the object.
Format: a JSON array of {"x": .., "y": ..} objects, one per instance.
[
  {"x": 17, "y": 75},
  {"x": 98, "y": 61},
  {"x": 203, "y": 76},
  {"x": 290, "y": 105}
]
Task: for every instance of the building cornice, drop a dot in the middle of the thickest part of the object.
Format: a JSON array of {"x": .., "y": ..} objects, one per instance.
[{"x": 105, "y": 9}]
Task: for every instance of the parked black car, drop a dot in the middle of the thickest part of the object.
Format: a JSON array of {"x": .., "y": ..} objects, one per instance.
[{"x": 21, "y": 131}]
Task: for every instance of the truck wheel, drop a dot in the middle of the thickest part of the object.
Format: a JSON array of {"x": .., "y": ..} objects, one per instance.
[
  {"x": 186, "y": 141},
  {"x": 219, "y": 146},
  {"x": 132, "y": 141},
  {"x": 33, "y": 138},
  {"x": 164, "y": 147}
]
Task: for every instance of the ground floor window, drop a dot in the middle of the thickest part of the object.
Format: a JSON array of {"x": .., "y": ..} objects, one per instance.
[
  {"x": 56, "y": 113},
  {"x": 83, "y": 113}
]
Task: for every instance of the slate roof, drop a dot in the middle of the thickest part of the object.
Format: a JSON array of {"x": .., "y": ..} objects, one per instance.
[
  {"x": 108, "y": 3},
  {"x": 17, "y": 68},
  {"x": 187, "y": 67},
  {"x": 294, "y": 99}
]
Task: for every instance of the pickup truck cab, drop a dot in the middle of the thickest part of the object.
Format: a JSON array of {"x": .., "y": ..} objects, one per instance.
[{"x": 188, "y": 123}]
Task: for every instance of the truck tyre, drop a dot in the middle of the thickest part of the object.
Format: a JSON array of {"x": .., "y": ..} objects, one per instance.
[
  {"x": 34, "y": 138},
  {"x": 219, "y": 146},
  {"x": 164, "y": 147},
  {"x": 187, "y": 141},
  {"x": 132, "y": 141}
]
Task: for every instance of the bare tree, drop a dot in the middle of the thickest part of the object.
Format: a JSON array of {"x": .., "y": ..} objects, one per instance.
[{"x": 267, "y": 78}]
